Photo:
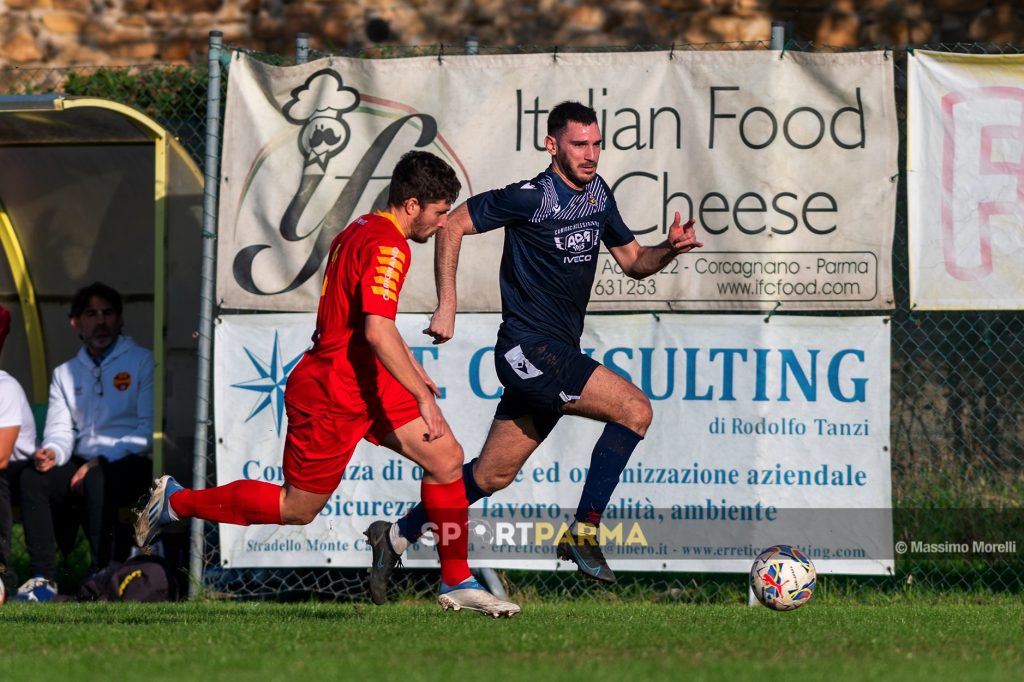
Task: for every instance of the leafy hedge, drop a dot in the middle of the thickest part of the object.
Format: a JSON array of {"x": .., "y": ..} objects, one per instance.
[{"x": 174, "y": 96}]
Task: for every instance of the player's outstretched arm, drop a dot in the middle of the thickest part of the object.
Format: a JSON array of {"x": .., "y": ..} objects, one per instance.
[
  {"x": 447, "y": 245},
  {"x": 387, "y": 343},
  {"x": 642, "y": 261}
]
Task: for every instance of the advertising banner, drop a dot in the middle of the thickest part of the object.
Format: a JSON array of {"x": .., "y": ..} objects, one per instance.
[
  {"x": 786, "y": 163},
  {"x": 763, "y": 433},
  {"x": 965, "y": 181}
]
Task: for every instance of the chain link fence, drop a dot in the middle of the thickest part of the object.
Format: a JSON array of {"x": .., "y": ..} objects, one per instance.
[{"x": 957, "y": 428}]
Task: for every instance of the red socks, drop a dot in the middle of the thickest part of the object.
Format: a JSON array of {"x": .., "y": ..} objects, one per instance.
[
  {"x": 242, "y": 503},
  {"x": 448, "y": 510},
  {"x": 247, "y": 502}
]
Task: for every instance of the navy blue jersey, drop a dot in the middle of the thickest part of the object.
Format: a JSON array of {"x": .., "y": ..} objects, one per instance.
[{"x": 552, "y": 239}]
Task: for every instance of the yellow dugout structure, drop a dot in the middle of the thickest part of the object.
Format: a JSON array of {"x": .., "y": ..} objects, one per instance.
[{"x": 91, "y": 189}]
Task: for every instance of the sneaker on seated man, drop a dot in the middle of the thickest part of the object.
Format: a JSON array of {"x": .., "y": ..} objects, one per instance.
[{"x": 37, "y": 589}]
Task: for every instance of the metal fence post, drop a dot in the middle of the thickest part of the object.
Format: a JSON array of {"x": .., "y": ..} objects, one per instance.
[
  {"x": 211, "y": 173},
  {"x": 301, "y": 48},
  {"x": 778, "y": 42}
]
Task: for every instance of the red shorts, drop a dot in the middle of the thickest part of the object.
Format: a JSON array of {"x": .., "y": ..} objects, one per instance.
[{"x": 317, "y": 448}]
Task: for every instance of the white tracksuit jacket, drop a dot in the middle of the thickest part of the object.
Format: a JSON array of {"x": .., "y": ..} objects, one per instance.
[{"x": 102, "y": 410}]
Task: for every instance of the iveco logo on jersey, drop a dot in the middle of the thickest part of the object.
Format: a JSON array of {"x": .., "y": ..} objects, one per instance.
[{"x": 578, "y": 242}]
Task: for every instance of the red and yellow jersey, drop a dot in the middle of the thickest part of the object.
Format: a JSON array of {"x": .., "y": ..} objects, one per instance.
[{"x": 366, "y": 268}]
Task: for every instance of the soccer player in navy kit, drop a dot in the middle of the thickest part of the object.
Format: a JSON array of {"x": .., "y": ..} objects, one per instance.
[{"x": 554, "y": 225}]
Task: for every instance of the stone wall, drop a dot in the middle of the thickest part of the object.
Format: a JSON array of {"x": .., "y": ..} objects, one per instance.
[{"x": 69, "y": 32}]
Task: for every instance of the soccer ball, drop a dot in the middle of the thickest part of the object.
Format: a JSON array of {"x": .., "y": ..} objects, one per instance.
[{"x": 782, "y": 578}]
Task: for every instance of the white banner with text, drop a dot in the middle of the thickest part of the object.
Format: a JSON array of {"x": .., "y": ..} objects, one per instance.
[
  {"x": 763, "y": 433},
  {"x": 965, "y": 181},
  {"x": 787, "y": 164}
]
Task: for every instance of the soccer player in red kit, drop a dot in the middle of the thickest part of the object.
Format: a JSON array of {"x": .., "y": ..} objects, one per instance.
[{"x": 359, "y": 380}]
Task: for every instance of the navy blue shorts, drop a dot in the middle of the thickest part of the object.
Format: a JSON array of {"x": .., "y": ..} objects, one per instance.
[{"x": 540, "y": 375}]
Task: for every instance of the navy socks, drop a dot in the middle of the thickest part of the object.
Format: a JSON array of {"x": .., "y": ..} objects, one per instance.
[{"x": 611, "y": 454}]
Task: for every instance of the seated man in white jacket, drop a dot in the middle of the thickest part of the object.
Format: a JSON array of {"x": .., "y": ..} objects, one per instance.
[{"x": 97, "y": 440}]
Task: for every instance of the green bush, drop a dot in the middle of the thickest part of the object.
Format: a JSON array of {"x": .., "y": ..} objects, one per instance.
[{"x": 175, "y": 96}]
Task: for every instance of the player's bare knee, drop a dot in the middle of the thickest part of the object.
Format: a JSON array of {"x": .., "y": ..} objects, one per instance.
[
  {"x": 446, "y": 464},
  {"x": 638, "y": 414},
  {"x": 493, "y": 481},
  {"x": 448, "y": 471}
]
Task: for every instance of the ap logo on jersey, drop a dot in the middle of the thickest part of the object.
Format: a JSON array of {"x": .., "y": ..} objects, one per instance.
[{"x": 577, "y": 243}]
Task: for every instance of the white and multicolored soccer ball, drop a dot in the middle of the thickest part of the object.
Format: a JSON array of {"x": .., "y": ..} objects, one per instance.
[{"x": 782, "y": 578}]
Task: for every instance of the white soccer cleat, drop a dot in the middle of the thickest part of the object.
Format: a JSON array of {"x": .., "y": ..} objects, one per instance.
[
  {"x": 157, "y": 512},
  {"x": 471, "y": 595}
]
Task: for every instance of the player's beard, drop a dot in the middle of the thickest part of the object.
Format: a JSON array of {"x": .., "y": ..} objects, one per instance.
[
  {"x": 562, "y": 159},
  {"x": 417, "y": 229}
]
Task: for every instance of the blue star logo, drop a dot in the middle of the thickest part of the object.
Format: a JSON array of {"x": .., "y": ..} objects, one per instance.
[{"x": 269, "y": 385}]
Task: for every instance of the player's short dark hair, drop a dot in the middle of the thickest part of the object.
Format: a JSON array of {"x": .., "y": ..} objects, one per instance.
[
  {"x": 560, "y": 116},
  {"x": 425, "y": 177},
  {"x": 80, "y": 301}
]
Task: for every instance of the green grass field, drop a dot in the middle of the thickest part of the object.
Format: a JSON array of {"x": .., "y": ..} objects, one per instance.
[{"x": 588, "y": 639}]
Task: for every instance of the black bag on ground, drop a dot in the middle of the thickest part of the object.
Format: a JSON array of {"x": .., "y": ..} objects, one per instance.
[{"x": 145, "y": 578}]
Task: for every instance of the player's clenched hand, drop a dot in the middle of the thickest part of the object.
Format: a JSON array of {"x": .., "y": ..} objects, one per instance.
[
  {"x": 442, "y": 325},
  {"x": 431, "y": 413},
  {"x": 682, "y": 238}
]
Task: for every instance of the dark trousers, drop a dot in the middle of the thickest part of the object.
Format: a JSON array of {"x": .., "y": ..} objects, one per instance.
[
  {"x": 48, "y": 497},
  {"x": 8, "y": 496}
]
